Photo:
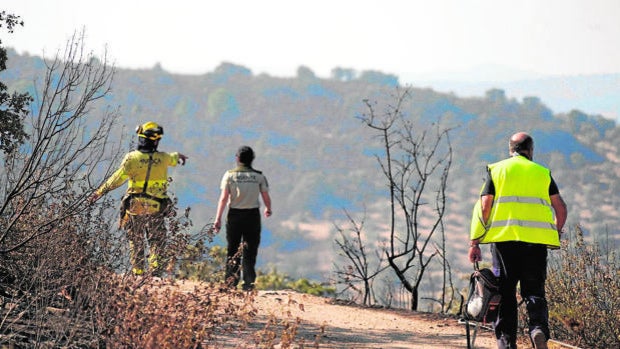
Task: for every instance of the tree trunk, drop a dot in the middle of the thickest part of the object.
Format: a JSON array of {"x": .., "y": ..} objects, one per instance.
[{"x": 414, "y": 299}]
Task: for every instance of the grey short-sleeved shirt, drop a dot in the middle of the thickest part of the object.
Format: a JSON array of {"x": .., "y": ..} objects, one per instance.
[{"x": 244, "y": 185}]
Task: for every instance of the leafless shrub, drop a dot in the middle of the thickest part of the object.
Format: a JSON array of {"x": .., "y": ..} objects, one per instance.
[
  {"x": 282, "y": 329},
  {"x": 583, "y": 290},
  {"x": 354, "y": 271},
  {"x": 416, "y": 161},
  {"x": 50, "y": 245},
  {"x": 138, "y": 313}
]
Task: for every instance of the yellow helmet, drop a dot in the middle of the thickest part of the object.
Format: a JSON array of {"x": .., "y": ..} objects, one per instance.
[{"x": 150, "y": 130}]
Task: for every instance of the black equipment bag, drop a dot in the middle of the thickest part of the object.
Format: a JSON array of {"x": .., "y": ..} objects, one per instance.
[{"x": 483, "y": 300}]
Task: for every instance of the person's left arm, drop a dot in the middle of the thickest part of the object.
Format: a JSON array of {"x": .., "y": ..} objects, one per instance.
[
  {"x": 267, "y": 202},
  {"x": 263, "y": 187}
]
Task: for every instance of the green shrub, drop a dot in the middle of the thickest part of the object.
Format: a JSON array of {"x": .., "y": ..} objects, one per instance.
[
  {"x": 275, "y": 280},
  {"x": 200, "y": 263}
]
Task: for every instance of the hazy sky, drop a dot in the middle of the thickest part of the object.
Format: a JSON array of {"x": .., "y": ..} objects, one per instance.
[{"x": 549, "y": 37}]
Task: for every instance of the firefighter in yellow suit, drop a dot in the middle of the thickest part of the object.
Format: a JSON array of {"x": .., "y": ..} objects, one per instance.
[{"x": 146, "y": 203}]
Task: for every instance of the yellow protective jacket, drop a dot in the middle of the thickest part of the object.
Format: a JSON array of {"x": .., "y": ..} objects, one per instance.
[
  {"x": 134, "y": 168},
  {"x": 521, "y": 209}
]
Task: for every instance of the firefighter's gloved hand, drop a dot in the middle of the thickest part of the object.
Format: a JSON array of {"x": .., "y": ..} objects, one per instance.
[{"x": 182, "y": 159}]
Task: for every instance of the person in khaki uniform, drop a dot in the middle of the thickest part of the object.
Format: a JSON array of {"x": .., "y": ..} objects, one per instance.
[
  {"x": 241, "y": 188},
  {"x": 146, "y": 203}
]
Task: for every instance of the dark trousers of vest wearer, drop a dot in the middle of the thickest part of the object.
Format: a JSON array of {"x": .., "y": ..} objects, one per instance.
[
  {"x": 526, "y": 264},
  {"x": 242, "y": 226}
]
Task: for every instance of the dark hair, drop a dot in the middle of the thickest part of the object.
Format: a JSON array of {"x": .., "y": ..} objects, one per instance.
[
  {"x": 522, "y": 145},
  {"x": 245, "y": 155}
]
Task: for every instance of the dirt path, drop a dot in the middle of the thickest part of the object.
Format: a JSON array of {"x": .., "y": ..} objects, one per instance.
[
  {"x": 318, "y": 322},
  {"x": 324, "y": 323}
]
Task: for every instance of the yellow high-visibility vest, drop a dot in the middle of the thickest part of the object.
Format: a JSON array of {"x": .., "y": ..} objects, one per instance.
[
  {"x": 134, "y": 168},
  {"x": 522, "y": 209}
]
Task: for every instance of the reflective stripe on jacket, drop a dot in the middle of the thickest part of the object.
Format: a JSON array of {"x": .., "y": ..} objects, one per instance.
[
  {"x": 135, "y": 167},
  {"x": 521, "y": 209}
]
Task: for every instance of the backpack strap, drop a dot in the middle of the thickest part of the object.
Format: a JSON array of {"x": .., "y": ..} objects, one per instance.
[{"x": 148, "y": 173}]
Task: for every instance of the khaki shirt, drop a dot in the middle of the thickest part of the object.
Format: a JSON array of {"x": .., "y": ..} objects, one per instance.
[{"x": 244, "y": 185}]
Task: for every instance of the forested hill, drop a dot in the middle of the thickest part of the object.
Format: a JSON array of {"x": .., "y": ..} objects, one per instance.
[{"x": 320, "y": 159}]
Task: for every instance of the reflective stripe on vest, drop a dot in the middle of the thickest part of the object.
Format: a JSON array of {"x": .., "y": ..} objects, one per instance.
[
  {"x": 522, "y": 199},
  {"x": 522, "y": 223}
]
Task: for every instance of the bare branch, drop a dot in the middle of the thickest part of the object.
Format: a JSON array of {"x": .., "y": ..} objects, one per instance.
[
  {"x": 415, "y": 164},
  {"x": 357, "y": 271},
  {"x": 66, "y": 143}
]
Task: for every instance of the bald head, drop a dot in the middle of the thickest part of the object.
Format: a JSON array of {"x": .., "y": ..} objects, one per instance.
[{"x": 521, "y": 143}]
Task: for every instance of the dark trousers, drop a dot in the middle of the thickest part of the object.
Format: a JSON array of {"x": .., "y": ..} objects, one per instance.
[
  {"x": 242, "y": 227},
  {"x": 526, "y": 264}
]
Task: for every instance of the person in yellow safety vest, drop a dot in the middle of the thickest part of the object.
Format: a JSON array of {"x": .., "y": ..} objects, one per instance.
[
  {"x": 146, "y": 203},
  {"x": 520, "y": 213}
]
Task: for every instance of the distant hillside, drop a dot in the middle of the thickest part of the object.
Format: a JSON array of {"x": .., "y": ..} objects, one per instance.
[
  {"x": 319, "y": 158},
  {"x": 596, "y": 94}
]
